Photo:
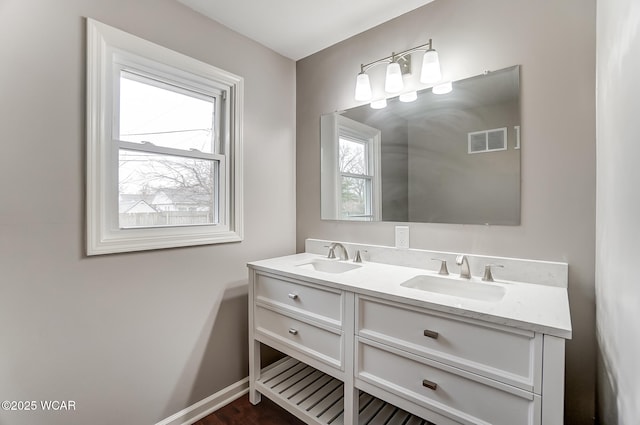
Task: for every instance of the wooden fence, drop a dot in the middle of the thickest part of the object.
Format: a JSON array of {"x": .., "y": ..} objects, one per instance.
[{"x": 165, "y": 218}]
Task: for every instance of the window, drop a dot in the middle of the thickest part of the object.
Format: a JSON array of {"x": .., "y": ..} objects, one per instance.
[
  {"x": 355, "y": 178},
  {"x": 164, "y": 152},
  {"x": 351, "y": 171},
  {"x": 488, "y": 140}
]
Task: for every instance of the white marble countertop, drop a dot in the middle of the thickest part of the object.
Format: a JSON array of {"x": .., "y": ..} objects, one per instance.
[{"x": 534, "y": 307}]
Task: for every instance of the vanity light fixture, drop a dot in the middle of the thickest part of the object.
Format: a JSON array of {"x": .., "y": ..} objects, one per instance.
[
  {"x": 408, "y": 96},
  {"x": 442, "y": 88},
  {"x": 363, "y": 88},
  {"x": 379, "y": 104},
  {"x": 430, "y": 72},
  {"x": 393, "y": 82},
  {"x": 397, "y": 65}
]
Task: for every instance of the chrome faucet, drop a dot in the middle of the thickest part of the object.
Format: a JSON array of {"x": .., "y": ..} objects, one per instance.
[
  {"x": 462, "y": 261},
  {"x": 332, "y": 253}
]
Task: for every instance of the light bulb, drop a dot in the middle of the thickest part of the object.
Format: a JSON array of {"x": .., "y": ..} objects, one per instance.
[
  {"x": 430, "y": 68},
  {"x": 393, "y": 83},
  {"x": 363, "y": 88},
  {"x": 443, "y": 88},
  {"x": 379, "y": 104},
  {"x": 409, "y": 96}
]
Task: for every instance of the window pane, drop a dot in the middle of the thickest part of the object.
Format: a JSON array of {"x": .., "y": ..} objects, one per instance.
[
  {"x": 356, "y": 195},
  {"x": 352, "y": 156},
  {"x": 176, "y": 119},
  {"x": 164, "y": 190}
]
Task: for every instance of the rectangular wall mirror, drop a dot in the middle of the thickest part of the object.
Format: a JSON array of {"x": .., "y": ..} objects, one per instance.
[{"x": 443, "y": 158}]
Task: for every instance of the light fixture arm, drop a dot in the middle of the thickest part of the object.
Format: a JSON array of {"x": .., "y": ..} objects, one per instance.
[
  {"x": 399, "y": 64},
  {"x": 396, "y": 56}
]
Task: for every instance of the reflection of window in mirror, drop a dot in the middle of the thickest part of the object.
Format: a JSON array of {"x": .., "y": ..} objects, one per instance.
[{"x": 358, "y": 167}]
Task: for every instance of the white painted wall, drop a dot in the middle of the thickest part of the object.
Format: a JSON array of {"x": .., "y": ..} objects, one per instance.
[
  {"x": 132, "y": 338},
  {"x": 554, "y": 42},
  {"x": 618, "y": 211}
]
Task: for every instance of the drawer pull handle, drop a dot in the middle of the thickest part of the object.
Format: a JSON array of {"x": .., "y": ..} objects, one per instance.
[
  {"x": 431, "y": 334},
  {"x": 293, "y": 296},
  {"x": 293, "y": 331},
  {"x": 429, "y": 384}
]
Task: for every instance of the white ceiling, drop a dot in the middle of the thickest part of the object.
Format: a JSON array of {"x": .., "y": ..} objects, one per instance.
[{"x": 299, "y": 28}]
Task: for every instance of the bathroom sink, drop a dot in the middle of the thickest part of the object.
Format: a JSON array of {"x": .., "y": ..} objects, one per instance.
[
  {"x": 449, "y": 286},
  {"x": 328, "y": 266}
]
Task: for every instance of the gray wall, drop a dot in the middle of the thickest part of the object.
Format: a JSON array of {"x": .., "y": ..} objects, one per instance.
[
  {"x": 132, "y": 338},
  {"x": 618, "y": 211},
  {"x": 449, "y": 185},
  {"x": 554, "y": 43},
  {"x": 394, "y": 153}
]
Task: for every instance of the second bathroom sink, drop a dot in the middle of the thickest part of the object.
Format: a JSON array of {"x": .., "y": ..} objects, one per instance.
[{"x": 458, "y": 288}]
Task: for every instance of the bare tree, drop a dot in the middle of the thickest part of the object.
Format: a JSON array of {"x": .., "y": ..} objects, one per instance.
[
  {"x": 351, "y": 160},
  {"x": 188, "y": 184}
]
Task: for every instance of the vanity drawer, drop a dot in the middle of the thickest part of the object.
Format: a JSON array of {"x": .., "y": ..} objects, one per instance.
[
  {"x": 462, "y": 396},
  {"x": 323, "y": 303},
  {"x": 509, "y": 355},
  {"x": 325, "y": 345}
]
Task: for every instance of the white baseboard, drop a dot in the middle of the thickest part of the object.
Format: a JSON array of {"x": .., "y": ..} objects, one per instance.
[{"x": 205, "y": 407}]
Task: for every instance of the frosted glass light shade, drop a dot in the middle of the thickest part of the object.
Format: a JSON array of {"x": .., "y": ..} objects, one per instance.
[
  {"x": 379, "y": 104},
  {"x": 363, "y": 88},
  {"x": 409, "y": 96},
  {"x": 393, "y": 83},
  {"x": 443, "y": 88},
  {"x": 431, "y": 72}
]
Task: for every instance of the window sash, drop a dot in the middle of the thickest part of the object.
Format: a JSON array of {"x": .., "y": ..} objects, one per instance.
[
  {"x": 151, "y": 148},
  {"x": 217, "y": 202},
  {"x": 366, "y": 146},
  {"x": 172, "y": 83},
  {"x": 367, "y": 214},
  {"x": 358, "y": 176}
]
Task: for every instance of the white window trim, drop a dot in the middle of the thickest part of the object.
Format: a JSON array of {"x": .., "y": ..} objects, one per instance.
[{"x": 105, "y": 47}]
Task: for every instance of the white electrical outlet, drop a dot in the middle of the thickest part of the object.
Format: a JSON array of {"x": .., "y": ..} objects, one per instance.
[{"x": 402, "y": 237}]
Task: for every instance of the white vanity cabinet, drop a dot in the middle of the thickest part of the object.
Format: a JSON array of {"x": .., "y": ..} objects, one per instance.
[
  {"x": 356, "y": 357},
  {"x": 447, "y": 368}
]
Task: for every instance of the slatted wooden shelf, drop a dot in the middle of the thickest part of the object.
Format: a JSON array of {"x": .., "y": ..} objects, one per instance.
[{"x": 318, "y": 398}]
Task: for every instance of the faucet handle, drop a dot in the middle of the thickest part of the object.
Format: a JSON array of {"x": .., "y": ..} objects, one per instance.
[
  {"x": 443, "y": 266},
  {"x": 358, "y": 257},
  {"x": 488, "y": 276},
  {"x": 332, "y": 252}
]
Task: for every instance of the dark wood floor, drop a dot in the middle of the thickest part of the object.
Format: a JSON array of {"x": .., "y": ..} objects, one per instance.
[{"x": 241, "y": 412}]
